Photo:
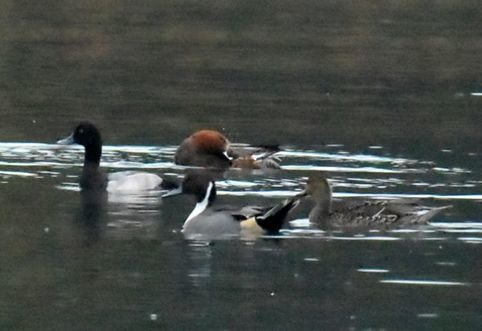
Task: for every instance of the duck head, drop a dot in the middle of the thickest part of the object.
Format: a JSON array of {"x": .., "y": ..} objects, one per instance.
[
  {"x": 204, "y": 148},
  {"x": 318, "y": 188},
  {"x": 87, "y": 135}
]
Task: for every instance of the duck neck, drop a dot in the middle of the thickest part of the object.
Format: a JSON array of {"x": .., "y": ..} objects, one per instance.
[
  {"x": 92, "y": 154},
  {"x": 322, "y": 208},
  {"x": 202, "y": 205}
]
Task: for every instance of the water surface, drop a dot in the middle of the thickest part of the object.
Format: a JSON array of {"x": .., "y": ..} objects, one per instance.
[{"x": 385, "y": 98}]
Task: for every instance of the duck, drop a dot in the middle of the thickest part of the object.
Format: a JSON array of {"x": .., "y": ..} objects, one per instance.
[
  {"x": 93, "y": 178},
  {"x": 356, "y": 213},
  {"x": 211, "y": 149},
  {"x": 208, "y": 222}
]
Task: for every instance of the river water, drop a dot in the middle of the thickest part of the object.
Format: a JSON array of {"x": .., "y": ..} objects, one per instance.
[{"x": 383, "y": 97}]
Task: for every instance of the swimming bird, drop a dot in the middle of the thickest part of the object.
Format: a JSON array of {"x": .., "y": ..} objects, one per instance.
[
  {"x": 211, "y": 149},
  {"x": 94, "y": 178},
  {"x": 362, "y": 213},
  {"x": 208, "y": 222}
]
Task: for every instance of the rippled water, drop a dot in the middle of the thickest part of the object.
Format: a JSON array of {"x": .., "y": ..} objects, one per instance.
[
  {"x": 384, "y": 97},
  {"x": 352, "y": 175},
  {"x": 131, "y": 249},
  {"x": 130, "y": 255}
]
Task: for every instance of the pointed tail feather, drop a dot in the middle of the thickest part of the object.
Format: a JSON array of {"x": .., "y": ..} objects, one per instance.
[
  {"x": 272, "y": 221},
  {"x": 422, "y": 216},
  {"x": 431, "y": 214}
]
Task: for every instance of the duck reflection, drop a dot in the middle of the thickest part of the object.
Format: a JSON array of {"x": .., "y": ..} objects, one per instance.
[
  {"x": 91, "y": 218},
  {"x": 200, "y": 263}
]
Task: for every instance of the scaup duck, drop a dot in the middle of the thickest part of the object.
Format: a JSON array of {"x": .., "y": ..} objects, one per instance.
[{"x": 94, "y": 178}]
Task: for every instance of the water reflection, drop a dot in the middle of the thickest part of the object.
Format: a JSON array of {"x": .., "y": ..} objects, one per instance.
[
  {"x": 92, "y": 216},
  {"x": 47, "y": 160},
  {"x": 384, "y": 95},
  {"x": 352, "y": 175},
  {"x": 131, "y": 244},
  {"x": 120, "y": 215},
  {"x": 422, "y": 282},
  {"x": 199, "y": 260}
]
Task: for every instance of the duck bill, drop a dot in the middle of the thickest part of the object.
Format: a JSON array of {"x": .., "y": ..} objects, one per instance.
[
  {"x": 173, "y": 192},
  {"x": 302, "y": 194},
  {"x": 66, "y": 141}
]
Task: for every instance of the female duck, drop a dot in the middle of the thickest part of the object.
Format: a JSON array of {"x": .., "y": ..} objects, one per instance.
[
  {"x": 93, "y": 178},
  {"x": 206, "y": 222},
  {"x": 367, "y": 213}
]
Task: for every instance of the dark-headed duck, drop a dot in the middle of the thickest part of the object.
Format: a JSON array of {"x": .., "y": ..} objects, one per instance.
[{"x": 93, "y": 178}]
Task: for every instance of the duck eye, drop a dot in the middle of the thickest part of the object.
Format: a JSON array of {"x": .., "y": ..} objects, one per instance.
[{"x": 81, "y": 131}]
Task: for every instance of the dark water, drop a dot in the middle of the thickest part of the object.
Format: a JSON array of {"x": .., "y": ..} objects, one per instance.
[{"x": 385, "y": 97}]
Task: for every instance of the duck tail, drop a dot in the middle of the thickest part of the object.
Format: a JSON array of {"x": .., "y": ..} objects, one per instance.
[
  {"x": 424, "y": 218},
  {"x": 272, "y": 221}
]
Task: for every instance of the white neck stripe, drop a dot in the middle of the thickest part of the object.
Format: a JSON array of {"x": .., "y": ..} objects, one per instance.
[
  {"x": 200, "y": 206},
  {"x": 225, "y": 153}
]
